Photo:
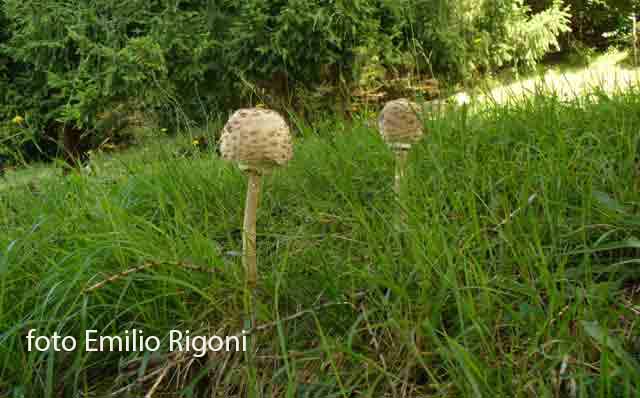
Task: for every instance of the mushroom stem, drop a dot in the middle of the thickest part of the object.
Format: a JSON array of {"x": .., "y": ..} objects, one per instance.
[
  {"x": 249, "y": 230},
  {"x": 249, "y": 257},
  {"x": 401, "y": 151},
  {"x": 401, "y": 163}
]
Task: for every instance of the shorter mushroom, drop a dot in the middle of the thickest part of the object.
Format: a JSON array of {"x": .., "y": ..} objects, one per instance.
[
  {"x": 258, "y": 140},
  {"x": 400, "y": 127}
]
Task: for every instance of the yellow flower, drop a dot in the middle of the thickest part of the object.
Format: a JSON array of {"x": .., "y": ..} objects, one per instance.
[
  {"x": 195, "y": 142},
  {"x": 17, "y": 120}
]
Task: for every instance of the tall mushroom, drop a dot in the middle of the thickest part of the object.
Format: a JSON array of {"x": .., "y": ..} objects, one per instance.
[
  {"x": 258, "y": 140},
  {"x": 400, "y": 127}
]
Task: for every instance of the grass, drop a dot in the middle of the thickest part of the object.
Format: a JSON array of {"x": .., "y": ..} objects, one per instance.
[{"x": 515, "y": 275}]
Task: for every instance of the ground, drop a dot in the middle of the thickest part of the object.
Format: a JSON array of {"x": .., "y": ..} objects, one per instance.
[{"x": 513, "y": 271}]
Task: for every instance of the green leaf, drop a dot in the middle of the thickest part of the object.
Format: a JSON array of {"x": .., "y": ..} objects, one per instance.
[
  {"x": 597, "y": 333},
  {"x": 608, "y": 202}
]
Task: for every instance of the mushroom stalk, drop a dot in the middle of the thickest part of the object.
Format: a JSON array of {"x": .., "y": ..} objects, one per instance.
[
  {"x": 401, "y": 152},
  {"x": 249, "y": 230},
  {"x": 249, "y": 257}
]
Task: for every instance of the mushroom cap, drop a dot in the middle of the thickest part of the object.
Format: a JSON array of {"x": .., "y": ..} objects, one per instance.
[
  {"x": 398, "y": 122},
  {"x": 256, "y": 138}
]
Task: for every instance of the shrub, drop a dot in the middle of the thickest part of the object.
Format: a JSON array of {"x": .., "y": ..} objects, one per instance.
[
  {"x": 83, "y": 59},
  {"x": 66, "y": 63},
  {"x": 594, "y": 21}
]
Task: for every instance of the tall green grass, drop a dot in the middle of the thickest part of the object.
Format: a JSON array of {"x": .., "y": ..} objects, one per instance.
[{"x": 516, "y": 273}]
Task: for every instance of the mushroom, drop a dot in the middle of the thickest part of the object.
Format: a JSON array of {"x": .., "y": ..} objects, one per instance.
[
  {"x": 400, "y": 127},
  {"x": 258, "y": 140}
]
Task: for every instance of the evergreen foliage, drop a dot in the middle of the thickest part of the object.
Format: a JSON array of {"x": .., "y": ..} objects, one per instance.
[{"x": 67, "y": 63}]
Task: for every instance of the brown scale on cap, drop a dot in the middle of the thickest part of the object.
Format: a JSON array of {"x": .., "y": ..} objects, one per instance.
[
  {"x": 256, "y": 138},
  {"x": 399, "y": 122}
]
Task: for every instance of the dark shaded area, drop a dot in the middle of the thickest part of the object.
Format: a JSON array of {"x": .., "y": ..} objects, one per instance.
[{"x": 75, "y": 147}]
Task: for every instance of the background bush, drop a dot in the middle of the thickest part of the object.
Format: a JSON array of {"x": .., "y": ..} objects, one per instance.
[
  {"x": 70, "y": 63},
  {"x": 591, "y": 20}
]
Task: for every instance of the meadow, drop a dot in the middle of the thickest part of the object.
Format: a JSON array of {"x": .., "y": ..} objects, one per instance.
[{"x": 514, "y": 274}]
